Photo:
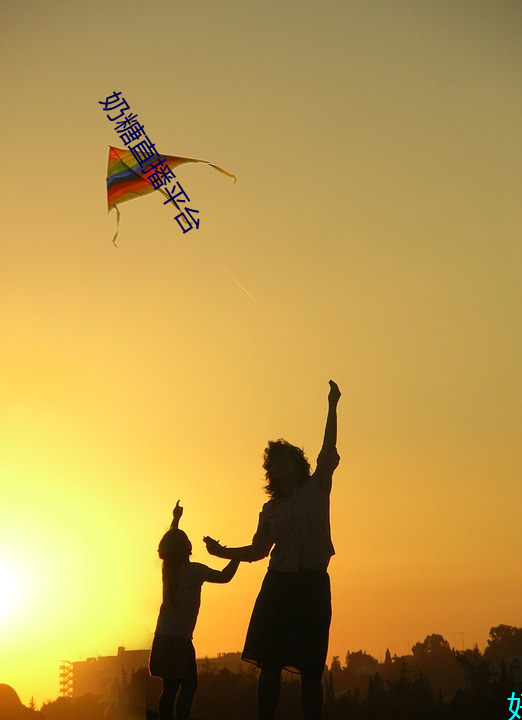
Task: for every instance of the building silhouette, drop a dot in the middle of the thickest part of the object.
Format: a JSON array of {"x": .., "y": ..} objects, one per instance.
[
  {"x": 109, "y": 676},
  {"x": 104, "y": 675}
]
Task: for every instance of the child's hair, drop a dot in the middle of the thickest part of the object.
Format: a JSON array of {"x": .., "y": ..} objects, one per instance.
[{"x": 175, "y": 547}]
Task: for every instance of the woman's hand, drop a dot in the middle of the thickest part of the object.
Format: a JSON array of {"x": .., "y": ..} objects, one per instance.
[
  {"x": 334, "y": 394},
  {"x": 213, "y": 546}
]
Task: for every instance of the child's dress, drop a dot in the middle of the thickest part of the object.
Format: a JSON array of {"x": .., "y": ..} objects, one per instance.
[{"x": 172, "y": 654}]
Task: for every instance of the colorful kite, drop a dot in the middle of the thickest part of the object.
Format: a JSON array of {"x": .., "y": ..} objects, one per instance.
[{"x": 127, "y": 179}]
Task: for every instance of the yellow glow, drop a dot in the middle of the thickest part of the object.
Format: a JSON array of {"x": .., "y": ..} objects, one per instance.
[
  {"x": 376, "y": 222},
  {"x": 11, "y": 591}
]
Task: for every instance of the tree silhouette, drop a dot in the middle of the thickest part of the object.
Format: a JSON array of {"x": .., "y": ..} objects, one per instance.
[
  {"x": 359, "y": 667},
  {"x": 360, "y": 662},
  {"x": 435, "y": 659},
  {"x": 483, "y": 695},
  {"x": 505, "y": 641},
  {"x": 435, "y": 682},
  {"x": 86, "y": 707}
]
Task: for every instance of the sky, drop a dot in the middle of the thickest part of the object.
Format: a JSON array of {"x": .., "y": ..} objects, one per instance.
[{"x": 373, "y": 237}]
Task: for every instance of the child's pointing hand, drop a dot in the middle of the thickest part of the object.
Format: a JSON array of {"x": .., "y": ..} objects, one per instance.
[{"x": 176, "y": 514}]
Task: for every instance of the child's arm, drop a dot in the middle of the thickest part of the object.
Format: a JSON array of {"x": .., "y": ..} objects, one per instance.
[
  {"x": 176, "y": 516},
  {"x": 225, "y": 575}
]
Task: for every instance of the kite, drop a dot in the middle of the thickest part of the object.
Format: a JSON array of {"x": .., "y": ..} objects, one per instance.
[{"x": 127, "y": 179}]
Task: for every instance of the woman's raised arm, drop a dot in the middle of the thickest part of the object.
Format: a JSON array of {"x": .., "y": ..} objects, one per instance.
[{"x": 330, "y": 431}]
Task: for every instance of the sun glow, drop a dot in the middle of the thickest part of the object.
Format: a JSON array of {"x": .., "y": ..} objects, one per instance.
[{"x": 11, "y": 589}]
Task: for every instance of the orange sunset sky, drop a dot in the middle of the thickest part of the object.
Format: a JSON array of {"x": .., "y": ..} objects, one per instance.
[{"x": 373, "y": 237}]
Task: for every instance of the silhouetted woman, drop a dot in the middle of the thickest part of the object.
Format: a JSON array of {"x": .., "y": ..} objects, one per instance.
[
  {"x": 291, "y": 618},
  {"x": 172, "y": 656}
]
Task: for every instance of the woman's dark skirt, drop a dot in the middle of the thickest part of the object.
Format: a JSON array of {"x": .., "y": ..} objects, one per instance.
[
  {"x": 290, "y": 622},
  {"x": 173, "y": 658}
]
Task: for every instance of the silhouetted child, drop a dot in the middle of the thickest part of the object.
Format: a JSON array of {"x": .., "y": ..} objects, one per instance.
[{"x": 172, "y": 657}]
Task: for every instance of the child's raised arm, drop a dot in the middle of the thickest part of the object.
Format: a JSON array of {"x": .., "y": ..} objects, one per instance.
[
  {"x": 225, "y": 575},
  {"x": 176, "y": 516}
]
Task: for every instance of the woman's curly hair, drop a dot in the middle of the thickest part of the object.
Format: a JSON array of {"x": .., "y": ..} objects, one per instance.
[{"x": 275, "y": 447}]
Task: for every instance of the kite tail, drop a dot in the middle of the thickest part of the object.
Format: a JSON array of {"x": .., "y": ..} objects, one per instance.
[
  {"x": 117, "y": 225},
  {"x": 220, "y": 169}
]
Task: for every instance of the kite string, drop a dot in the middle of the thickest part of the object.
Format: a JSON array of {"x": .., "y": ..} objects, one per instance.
[{"x": 242, "y": 287}]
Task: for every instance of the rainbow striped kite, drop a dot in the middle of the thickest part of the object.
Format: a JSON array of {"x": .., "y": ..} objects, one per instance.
[{"x": 127, "y": 180}]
